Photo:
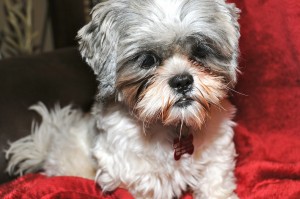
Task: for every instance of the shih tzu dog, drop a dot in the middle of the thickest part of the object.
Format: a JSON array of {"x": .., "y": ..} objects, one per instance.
[{"x": 161, "y": 124}]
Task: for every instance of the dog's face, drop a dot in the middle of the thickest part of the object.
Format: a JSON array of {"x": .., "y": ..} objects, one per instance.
[{"x": 166, "y": 60}]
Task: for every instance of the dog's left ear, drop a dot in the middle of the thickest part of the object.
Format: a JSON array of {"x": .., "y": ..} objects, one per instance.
[
  {"x": 98, "y": 42},
  {"x": 235, "y": 14}
]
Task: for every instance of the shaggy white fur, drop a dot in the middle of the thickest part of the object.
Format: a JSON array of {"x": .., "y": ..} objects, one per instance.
[{"x": 118, "y": 153}]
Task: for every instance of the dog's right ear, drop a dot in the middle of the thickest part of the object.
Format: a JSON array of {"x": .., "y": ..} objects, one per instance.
[{"x": 98, "y": 42}]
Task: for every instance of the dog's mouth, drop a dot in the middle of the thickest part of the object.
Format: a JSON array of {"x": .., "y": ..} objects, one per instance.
[{"x": 184, "y": 102}]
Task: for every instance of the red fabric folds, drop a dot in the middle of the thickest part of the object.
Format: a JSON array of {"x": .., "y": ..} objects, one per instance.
[
  {"x": 39, "y": 186},
  {"x": 268, "y": 132},
  {"x": 42, "y": 187}
]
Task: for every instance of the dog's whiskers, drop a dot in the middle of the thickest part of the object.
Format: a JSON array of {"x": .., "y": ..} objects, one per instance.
[
  {"x": 235, "y": 91},
  {"x": 206, "y": 102},
  {"x": 181, "y": 124},
  {"x": 144, "y": 128}
]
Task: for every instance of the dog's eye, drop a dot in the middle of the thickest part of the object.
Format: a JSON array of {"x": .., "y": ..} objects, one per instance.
[
  {"x": 201, "y": 51},
  {"x": 148, "y": 61}
]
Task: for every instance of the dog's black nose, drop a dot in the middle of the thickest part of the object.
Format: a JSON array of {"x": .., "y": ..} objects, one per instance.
[{"x": 182, "y": 83}]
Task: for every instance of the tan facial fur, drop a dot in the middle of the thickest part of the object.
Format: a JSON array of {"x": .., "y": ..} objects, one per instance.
[{"x": 157, "y": 101}]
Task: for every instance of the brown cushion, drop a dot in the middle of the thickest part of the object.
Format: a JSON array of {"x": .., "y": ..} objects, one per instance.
[{"x": 57, "y": 77}]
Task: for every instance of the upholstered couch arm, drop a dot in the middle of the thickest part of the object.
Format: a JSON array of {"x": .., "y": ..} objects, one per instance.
[{"x": 56, "y": 77}]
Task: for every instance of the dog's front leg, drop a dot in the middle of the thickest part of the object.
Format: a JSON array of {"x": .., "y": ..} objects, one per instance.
[
  {"x": 107, "y": 181},
  {"x": 218, "y": 181}
]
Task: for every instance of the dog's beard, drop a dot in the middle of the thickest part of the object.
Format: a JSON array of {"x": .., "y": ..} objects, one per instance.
[{"x": 152, "y": 99}]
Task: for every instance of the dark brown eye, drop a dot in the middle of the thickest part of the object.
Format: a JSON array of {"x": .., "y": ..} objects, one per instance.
[
  {"x": 148, "y": 61},
  {"x": 201, "y": 51}
]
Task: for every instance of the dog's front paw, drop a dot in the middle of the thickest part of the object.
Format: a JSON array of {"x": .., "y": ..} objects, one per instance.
[{"x": 106, "y": 181}]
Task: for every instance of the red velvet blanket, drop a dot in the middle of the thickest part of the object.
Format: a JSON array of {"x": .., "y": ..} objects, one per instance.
[{"x": 268, "y": 132}]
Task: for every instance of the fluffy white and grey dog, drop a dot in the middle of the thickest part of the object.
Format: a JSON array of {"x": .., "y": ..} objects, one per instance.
[{"x": 161, "y": 125}]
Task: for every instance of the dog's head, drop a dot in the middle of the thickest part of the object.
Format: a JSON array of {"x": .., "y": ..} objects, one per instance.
[{"x": 167, "y": 60}]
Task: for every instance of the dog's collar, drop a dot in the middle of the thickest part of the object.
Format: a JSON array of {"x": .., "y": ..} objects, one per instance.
[{"x": 183, "y": 144}]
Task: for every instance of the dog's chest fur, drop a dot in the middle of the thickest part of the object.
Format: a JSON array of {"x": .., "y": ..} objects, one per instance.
[{"x": 141, "y": 155}]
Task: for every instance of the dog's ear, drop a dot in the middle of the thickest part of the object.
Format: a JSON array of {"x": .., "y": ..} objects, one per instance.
[
  {"x": 98, "y": 42},
  {"x": 235, "y": 14}
]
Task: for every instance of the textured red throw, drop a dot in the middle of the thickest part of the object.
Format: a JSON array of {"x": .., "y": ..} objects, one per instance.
[{"x": 268, "y": 132}]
